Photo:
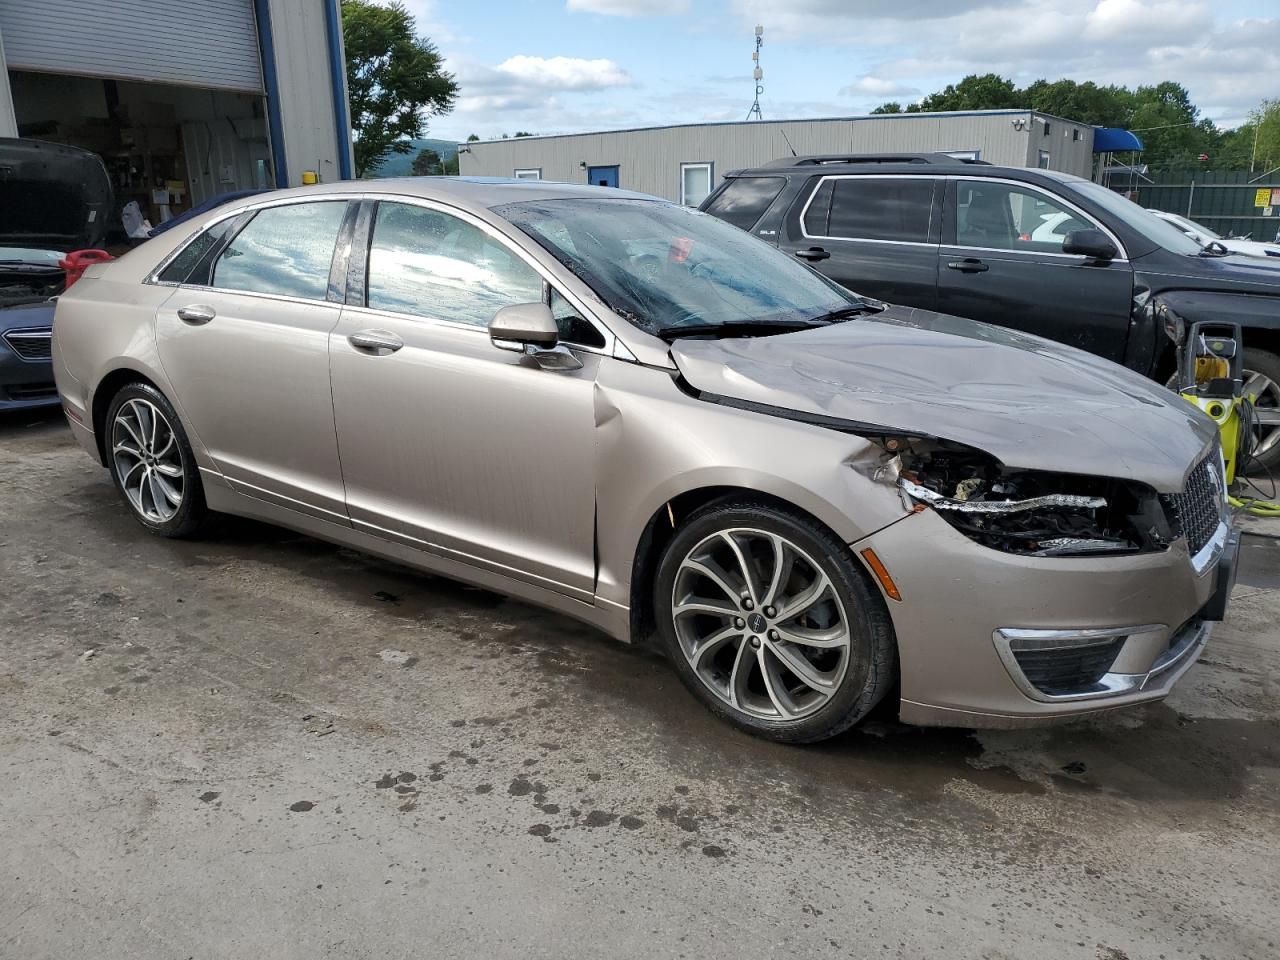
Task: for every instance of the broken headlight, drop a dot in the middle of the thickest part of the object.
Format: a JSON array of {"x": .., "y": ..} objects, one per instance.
[{"x": 1026, "y": 511}]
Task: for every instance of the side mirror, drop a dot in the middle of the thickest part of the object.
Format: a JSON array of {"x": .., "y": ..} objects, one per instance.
[
  {"x": 524, "y": 324},
  {"x": 530, "y": 328},
  {"x": 1090, "y": 242}
]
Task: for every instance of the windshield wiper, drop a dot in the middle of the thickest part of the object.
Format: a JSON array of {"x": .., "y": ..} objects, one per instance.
[
  {"x": 736, "y": 328},
  {"x": 853, "y": 310}
]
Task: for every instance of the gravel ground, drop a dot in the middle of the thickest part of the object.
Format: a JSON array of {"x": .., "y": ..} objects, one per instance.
[{"x": 259, "y": 745}]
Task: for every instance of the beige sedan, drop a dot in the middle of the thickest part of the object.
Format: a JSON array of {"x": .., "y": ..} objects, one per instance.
[{"x": 645, "y": 418}]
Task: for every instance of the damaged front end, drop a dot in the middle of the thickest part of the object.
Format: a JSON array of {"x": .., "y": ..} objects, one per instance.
[{"x": 1035, "y": 513}]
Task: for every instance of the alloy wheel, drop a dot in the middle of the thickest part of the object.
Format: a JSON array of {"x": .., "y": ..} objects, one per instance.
[
  {"x": 147, "y": 460},
  {"x": 1265, "y": 394},
  {"x": 761, "y": 624}
]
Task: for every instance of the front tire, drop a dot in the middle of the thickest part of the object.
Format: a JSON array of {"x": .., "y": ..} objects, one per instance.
[
  {"x": 769, "y": 621},
  {"x": 1262, "y": 382},
  {"x": 151, "y": 462}
]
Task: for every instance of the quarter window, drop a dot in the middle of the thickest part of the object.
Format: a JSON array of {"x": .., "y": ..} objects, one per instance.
[
  {"x": 181, "y": 267},
  {"x": 431, "y": 264},
  {"x": 573, "y": 328},
  {"x": 285, "y": 251},
  {"x": 1001, "y": 216},
  {"x": 695, "y": 183},
  {"x": 745, "y": 200},
  {"x": 871, "y": 208}
]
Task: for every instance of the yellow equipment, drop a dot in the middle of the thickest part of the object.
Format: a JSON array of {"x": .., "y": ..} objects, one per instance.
[{"x": 1209, "y": 371}]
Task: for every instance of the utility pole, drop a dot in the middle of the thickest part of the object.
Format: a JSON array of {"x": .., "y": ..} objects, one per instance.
[{"x": 757, "y": 74}]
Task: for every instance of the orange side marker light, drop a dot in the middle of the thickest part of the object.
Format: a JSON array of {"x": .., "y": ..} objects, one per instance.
[{"x": 882, "y": 574}]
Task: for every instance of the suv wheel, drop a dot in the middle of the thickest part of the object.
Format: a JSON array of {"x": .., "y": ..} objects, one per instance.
[
  {"x": 1262, "y": 382},
  {"x": 770, "y": 622},
  {"x": 151, "y": 462}
]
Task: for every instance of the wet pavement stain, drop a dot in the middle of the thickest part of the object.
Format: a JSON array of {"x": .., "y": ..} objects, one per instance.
[{"x": 302, "y": 806}]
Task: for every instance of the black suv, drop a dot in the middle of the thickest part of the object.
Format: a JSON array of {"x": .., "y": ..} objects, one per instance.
[{"x": 1034, "y": 250}]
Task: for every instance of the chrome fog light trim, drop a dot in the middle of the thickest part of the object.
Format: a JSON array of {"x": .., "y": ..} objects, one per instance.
[{"x": 1010, "y": 641}]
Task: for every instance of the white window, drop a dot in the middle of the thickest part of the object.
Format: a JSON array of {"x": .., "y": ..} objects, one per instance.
[
  {"x": 530, "y": 173},
  {"x": 1043, "y": 161},
  {"x": 695, "y": 183},
  {"x": 964, "y": 154}
]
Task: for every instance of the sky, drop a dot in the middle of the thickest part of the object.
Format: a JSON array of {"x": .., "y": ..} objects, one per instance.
[{"x": 564, "y": 66}]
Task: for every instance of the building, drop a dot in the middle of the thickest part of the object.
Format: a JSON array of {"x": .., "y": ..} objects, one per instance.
[
  {"x": 684, "y": 163},
  {"x": 182, "y": 101}
]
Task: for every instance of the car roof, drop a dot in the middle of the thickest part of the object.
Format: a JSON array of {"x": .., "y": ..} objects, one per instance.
[{"x": 473, "y": 193}]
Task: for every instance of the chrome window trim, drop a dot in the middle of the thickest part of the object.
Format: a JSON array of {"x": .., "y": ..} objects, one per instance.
[
  {"x": 804, "y": 212},
  {"x": 1057, "y": 198},
  {"x": 1186, "y": 645}
]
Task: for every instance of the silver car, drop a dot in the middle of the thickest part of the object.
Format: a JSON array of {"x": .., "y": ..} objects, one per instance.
[{"x": 647, "y": 419}]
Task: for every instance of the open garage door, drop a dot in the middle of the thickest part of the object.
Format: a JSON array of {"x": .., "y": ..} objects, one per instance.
[{"x": 202, "y": 43}]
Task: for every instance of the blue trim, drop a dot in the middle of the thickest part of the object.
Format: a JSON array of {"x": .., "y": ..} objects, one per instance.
[
  {"x": 337, "y": 78},
  {"x": 270, "y": 80}
]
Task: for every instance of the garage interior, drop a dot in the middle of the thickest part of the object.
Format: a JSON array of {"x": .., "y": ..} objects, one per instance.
[{"x": 165, "y": 146}]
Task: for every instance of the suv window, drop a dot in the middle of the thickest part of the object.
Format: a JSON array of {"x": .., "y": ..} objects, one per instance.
[
  {"x": 872, "y": 208},
  {"x": 431, "y": 264},
  {"x": 1002, "y": 216},
  {"x": 746, "y": 199},
  {"x": 283, "y": 250}
]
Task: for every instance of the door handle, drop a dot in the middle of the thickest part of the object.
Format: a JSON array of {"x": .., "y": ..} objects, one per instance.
[
  {"x": 375, "y": 340},
  {"x": 968, "y": 265},
  {"x": 196, "y": 314},
  {"x": 813, "y": 253}
]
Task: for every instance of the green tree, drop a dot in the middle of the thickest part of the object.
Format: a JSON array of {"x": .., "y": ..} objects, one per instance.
[
  {"x": 893, "y": 106},
  {"x": 1087, "y": 102},
  {"x": 472, "y": 138},
  {"x": 974, "y": 92},
  {"x": 522, "y": 133},
  {"x": 427, "y": 163},
  {"x": 451, "y": 166},
  {"x": 395, "y": 79}
]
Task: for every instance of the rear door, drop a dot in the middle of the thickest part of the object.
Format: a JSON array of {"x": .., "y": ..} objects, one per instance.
[
  {"x": 244, "y": 340},
  {"x": 875, "y": 235},
  {"x": 1001, "y": 262}
]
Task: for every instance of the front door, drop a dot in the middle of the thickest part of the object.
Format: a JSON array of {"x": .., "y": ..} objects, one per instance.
[
  {"x": 602, "y": 176},
  {"x": 876, "y": 236},
  {"x": 448, "y": 443},
  {"x": 1001, "y": 261},
  {"x": 245, "y": 343}
]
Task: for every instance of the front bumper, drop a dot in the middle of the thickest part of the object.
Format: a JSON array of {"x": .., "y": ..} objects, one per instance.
[
  {"x": 24, "y": 382},
  {"x": 965, "y": 609}
]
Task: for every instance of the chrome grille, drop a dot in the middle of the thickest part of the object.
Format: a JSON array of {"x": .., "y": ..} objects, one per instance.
[
  {"x": 31, "y": 344},
  {"x": 1197, "y": 510}
]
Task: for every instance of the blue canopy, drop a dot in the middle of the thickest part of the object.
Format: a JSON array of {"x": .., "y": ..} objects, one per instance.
[{"x": 1113, "y": 139}]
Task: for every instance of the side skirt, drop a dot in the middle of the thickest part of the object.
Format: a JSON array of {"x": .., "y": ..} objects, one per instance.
[{"x": 610, "y": 618}]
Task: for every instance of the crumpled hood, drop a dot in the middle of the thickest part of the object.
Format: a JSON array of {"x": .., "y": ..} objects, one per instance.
[{"x": 1029, "y": 402}]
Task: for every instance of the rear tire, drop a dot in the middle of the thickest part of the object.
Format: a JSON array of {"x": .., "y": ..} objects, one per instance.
[
  {"x": 770, "y": 622},
  {"x": 151, "y": 462},
  {"x": 1262, "y": 376}
]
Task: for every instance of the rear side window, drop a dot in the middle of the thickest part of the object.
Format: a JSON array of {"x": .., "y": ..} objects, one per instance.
[
  {"x": 746, "y": 199},
  {"x": 871, "y": 208},
  {"x": 285, "y": 251},
  {"x": 431, "y": 264},
  {"x": 180, "y": 267}
]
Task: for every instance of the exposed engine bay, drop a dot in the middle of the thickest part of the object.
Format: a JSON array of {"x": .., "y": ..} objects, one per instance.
[
  {"x": 22, "y": 284},
  {"x": 1029, "y": 512}
]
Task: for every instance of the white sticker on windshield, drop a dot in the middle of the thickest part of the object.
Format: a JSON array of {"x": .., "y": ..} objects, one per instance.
[{"x": 93, "y": 215}]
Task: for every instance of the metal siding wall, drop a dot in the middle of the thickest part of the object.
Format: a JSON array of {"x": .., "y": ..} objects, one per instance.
[
  {"x": 306, "y": 88},
  {"x": 205, "y": 43},
  {"x": 8, "y": 120},
  {"x": 649, "y": 160}
]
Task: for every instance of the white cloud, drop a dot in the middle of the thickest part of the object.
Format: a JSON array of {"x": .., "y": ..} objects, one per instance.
[
  {"x": 564, "y": 73},
  {"x": 878, "y": 87},
  {"x": 628, "y": 8}
]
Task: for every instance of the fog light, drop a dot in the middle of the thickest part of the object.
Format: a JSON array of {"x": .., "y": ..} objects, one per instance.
[{"x": 1064, "y": 664}]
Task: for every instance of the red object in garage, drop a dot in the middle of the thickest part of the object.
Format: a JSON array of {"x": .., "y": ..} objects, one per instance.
[{"x": 76, "y": 261}]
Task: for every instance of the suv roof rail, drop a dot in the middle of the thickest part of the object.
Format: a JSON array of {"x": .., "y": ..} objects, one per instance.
[{"x": 824, "y": 159}]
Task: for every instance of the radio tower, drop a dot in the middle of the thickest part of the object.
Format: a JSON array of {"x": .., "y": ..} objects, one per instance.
[{"x": 757, "y": 74}]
